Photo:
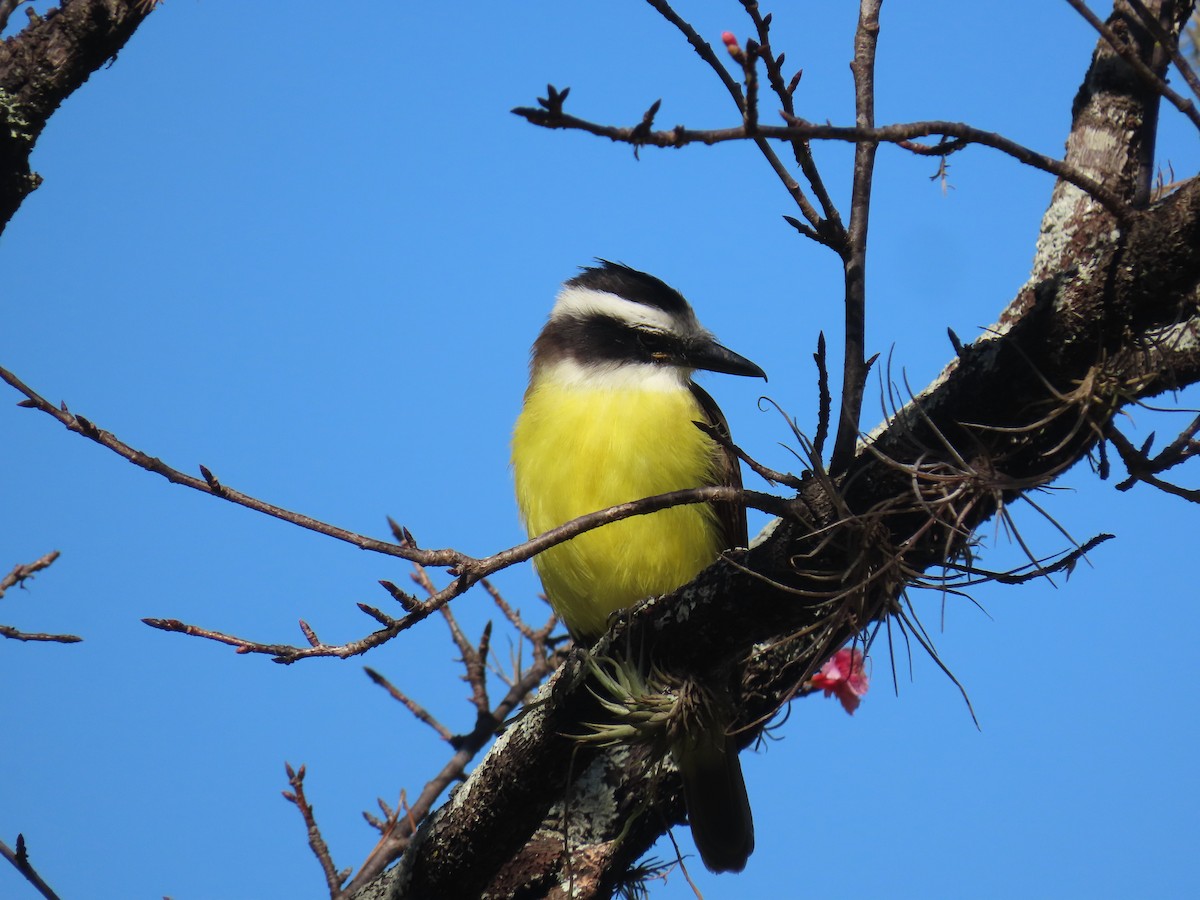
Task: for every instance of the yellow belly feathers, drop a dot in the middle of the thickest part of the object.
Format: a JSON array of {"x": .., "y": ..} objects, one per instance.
[{"x": 580, "y": 449}]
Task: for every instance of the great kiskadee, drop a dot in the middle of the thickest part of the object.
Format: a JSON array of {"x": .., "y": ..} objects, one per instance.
[{"x": 609, "y": 417}]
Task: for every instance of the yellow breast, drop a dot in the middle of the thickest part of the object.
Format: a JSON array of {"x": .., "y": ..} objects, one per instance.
[{"x": 578, "y": 449}]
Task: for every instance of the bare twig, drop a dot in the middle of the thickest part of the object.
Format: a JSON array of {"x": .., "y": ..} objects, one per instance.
[
  {"x": 17, "y": 577},
  {"x": 319, "y": 848},
  {"x": 764, "y": 472},
  {"x": 9, "y": 632},
  {"x": 816, "y": 228},
  {"x": 21, "y": 571},
  {"x": 786, "y": 92},
  {"x": 1142, "y": 467},
  {"x": 468, "y": 569},
  {"x": 418, "y": 711},
  {"x": 514, "y": 616},
  {"x": 854, "y": 253},
  {"x": 899, "y": 134},
  {"x": 473, "y": 658},
  {"x": 395, "y": 839},
  {"x": 399, "y": 825},
  {"x": 20, "y": 860}
]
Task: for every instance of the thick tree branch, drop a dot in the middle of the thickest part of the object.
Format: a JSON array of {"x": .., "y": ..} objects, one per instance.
[{"x": 41, "y": 67}]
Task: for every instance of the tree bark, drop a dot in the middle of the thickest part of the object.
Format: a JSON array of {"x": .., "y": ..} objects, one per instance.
[{"x": 41, "y": 67}]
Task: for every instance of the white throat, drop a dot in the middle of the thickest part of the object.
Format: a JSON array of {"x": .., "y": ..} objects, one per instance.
[{"x": 614, "y": 376}]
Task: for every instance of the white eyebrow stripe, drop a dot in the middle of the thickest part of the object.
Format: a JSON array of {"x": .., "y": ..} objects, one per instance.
[{"x": 582, "y": 303}]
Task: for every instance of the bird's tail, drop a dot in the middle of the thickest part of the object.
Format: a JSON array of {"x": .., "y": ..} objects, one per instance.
[{"x": 718, "y": 807}]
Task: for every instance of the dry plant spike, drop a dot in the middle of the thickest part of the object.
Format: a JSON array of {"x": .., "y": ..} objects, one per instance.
[
  {"x": 824, "y": 398},
  {"x": 855, "y": 369}
]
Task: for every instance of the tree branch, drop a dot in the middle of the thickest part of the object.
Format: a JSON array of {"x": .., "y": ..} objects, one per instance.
[
  {"x": 468, "y": 569},
  {"x": 854, "y": 253},
  {"x": 42, "y": 66},
  {"x": 798, "y": 129},
  {"x": 1129, "y": 55},
  {"x": 22, "y": 571},
  {"x": 17, "y": 577},
  {"x": 20, "y": 860}
]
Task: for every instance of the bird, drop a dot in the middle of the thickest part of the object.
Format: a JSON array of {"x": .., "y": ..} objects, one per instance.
[{"x": 610, "y": 416}]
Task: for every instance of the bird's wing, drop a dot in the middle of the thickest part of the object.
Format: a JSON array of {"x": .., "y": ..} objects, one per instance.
[{"x": 732, "y": 516}]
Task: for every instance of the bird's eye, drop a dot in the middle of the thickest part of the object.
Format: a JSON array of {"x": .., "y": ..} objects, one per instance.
[
  {"x": 655, "y": 342},
  {"x": 649, "y": 336}
]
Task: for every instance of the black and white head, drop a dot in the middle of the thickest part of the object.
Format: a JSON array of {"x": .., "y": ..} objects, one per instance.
[{"x": 615, "y": 326}]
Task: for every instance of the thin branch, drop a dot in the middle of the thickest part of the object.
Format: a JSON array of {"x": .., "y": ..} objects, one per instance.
[
  {"x": 514, "y": 616},
  {"x": 1141, "y": 467},
  {"x": 319, "y": 848},
  {"x": 9, "y": 632},
  {"x": 6, "y": 9},
  {"x": 20, "y": 860},
  {"x": 1143, "y": 71},
  {"x": 419, "y": 712},
  {"x": 17, "y": 577},
  {"x": 786, "y": 92},
  {"x": 764, "y": 472},
  {"x": 21, "y": 571},
  {"x": 706, "y": 53},
  {"x": 209, "y": 484},
  {"x": 395, "y": 841},
  {"x": 899, "y": 133},
  {"x": 1040, "y": 568},
  {"x": 854, "y": 254},
  {"x": 468, "y": 569},
  {"x": 1170, "y": 42}
]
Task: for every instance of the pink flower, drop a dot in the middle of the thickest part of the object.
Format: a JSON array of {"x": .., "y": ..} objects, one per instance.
[
  {"x": 843, "y": 675},
  {"x": 731, "y": 44}
]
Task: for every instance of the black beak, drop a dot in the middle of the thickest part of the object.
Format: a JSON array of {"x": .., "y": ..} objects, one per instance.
[{"x": 711, "y": 356}]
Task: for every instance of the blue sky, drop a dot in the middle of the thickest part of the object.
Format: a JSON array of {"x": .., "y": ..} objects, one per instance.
[{"x": 308, "y": 247}]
